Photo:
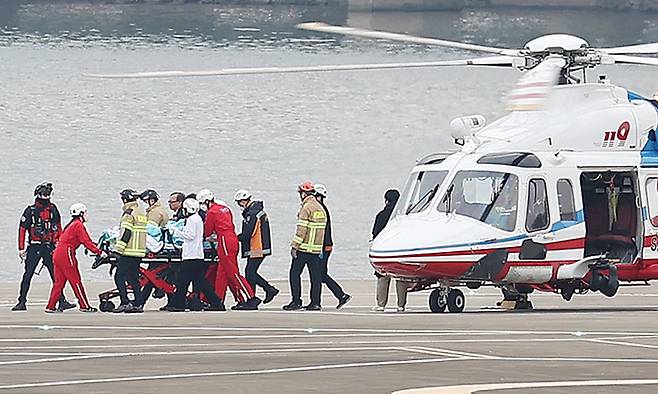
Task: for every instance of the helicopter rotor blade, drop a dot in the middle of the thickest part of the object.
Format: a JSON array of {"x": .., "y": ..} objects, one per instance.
[
  {"x": 625, "y": 59},
  {"x": 357, "y": 32},
  {"x": 641, "y": 49},
  {"x": 492, "y": 61},
  {"x": 531, "y": 91}
]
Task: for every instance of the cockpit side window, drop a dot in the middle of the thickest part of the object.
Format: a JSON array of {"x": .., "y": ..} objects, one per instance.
[
  {"x": 565, "y": 200},
  {"x": 419, "y": 192},
  {"x": 487, "y": 196},
  {"x": 537, "y": 217}
]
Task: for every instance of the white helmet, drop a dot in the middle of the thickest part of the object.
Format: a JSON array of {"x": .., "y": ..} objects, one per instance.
[
  {"x": 204, "y": 196},
  {"x": 320, "y": 190},
  {"x": 78, "y": 209},
  {"x": 191, "y": 206},
  {"x": 242, "y": 194}
]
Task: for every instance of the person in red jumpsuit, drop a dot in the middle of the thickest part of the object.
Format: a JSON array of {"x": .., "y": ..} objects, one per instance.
[
  {"x": 65, "y": 262},
  {"x": 219, "y": 221}
]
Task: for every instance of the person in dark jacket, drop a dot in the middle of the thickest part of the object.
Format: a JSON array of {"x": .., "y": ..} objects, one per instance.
[
  {"x": 341, "y": 296},
  {"x": 255, "y": 241},
  {"x": 391, "y": 198},
  {"x": 41, "y": 222}
]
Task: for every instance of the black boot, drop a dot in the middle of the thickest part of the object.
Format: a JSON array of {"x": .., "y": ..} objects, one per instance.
[
  {"x": 293, "y": 306},
  {"x": 19, "y": 307},
  {"x": 64, "y": 305},
  {"x": 270, "y": 294}
]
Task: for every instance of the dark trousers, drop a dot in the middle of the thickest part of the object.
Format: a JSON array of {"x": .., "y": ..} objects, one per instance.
[
  {"x": 35, "y": 254},
  {"x": 252, "y": 275},
  {"x": 328, "y": 280},
  {"x": 315, "y": 272},
  {"x": 194, "y": 271},
  {"x": 128, "y": 272}
]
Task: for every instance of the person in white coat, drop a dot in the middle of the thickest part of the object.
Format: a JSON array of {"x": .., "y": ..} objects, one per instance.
[{"x": 193, "y": 267}]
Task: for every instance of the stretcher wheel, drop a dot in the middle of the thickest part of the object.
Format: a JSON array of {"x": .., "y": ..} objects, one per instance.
[
  {"x": 159, "y": 293},
  {"x": 456, "y": 301},
  {"x": 106, "y": 306},
  {"x": 437, "y": 301}
]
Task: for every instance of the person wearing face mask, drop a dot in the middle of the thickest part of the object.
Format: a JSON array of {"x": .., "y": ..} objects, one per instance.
[
  {"x": 157, "y": 218},
  {"x": 192, "y": 265},
  {"x": 219, "y": 222},
  {"x": 41, "y": 222},
  {"x": 155, "y": 212},
  {"x": 338, "y": 292},
  {"x": 305, "y": 249},
  {"x": 131, "y": 247},
  {"x": 255, "y": 241},
  {"x": 66, "y": 263}
]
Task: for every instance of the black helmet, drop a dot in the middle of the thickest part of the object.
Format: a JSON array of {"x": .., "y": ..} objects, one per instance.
[
  {"x": 149, "y": 194},
  {"x": 129, "y": 195},
  {"x": 43, "y": 189}
]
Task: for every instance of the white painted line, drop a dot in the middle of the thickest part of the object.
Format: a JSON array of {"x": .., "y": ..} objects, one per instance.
[
  {"x": 477, "y": 388},
  {"x": 228, "y": 373},
  {"x": 457, "y": 353},
  {"x": 53, "y": 359},
  {"x": 320, "y": 330},
  {"x": 620, "y": 343},
  {"x": 296, "y": 343},
  {"x": 82, "y": 356}
]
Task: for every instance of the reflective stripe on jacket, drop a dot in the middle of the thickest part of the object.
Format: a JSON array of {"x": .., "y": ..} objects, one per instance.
[
  {"x": 311, "y": 224},
  {"x": 255, "y": 237},
  {"x": 133, "y": 220}
]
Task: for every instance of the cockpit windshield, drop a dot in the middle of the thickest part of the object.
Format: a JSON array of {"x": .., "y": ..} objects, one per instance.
[
  {"x": 419, "y": 191},
  {"x": 487, "y": 196}
]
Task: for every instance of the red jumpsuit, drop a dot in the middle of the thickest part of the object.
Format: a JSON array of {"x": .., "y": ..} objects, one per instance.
[
  {"x": 66, "y": 264},
  {"x": 219, "y": 220}
]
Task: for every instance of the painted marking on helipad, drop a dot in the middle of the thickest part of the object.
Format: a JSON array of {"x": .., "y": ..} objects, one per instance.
[
  {"x": 479, "y": 388},
  {"x": 227, "y": 373}
]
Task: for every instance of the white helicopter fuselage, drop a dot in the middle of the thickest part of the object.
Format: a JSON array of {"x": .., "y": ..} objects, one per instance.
[{"x": 531, "y": 196}]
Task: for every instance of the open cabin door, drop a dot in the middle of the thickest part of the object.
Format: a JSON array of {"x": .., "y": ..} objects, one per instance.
[
  {"x": 613, "y": 218},
  {"x": 649, "y": 202}
]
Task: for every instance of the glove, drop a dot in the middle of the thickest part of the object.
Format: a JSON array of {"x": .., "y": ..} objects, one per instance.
[
  {"x": 22, "y": 253},
  {"x": 293, "y": 253},
  {"x": 103, "y": 254}
]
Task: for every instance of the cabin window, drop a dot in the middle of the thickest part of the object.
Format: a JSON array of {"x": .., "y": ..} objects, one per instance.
[
  {"x": 487, "y": 196},
  {"x": 420, "y": 190},
  {"x": 537, "y": 214},
  {"x": 652, "y": 199},
  {"x": 566, "y": 200}
]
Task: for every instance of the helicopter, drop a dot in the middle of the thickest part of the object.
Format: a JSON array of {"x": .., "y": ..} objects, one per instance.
[{"x": 560, "y": 195}]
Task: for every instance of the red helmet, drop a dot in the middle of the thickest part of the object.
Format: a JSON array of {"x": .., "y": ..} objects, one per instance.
[{"x": 306, "y": 187}]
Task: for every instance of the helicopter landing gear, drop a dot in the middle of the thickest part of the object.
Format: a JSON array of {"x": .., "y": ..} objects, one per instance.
[
  {"x": 514, "y": 299},
  {"x": 443, "y": 297}
]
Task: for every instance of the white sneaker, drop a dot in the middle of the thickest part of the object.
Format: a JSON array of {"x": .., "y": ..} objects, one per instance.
[
  {"x": 401, "y": 309},
  {"x": 378, "y": 308}
]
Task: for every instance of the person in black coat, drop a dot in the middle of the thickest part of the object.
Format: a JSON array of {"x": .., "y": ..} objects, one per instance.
[
  {"x": 255, "y": 241},
  {"x": 391, "y": 198}
]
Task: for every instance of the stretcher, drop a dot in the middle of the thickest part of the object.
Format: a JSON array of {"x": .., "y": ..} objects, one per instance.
[{"x": 159, "y": 266}]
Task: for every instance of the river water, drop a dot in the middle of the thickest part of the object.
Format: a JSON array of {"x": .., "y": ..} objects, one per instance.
[{"x": 359, "y": 133}]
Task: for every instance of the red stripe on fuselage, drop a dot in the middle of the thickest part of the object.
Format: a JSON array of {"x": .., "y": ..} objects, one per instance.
[{"x": 578, "y": 243}]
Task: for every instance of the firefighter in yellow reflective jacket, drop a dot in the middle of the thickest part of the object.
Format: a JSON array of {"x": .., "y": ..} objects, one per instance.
[
  {"x": 131, "y": 247},
  {"x": 155, "y": 212},
  {"x": 307, "y": 245}
]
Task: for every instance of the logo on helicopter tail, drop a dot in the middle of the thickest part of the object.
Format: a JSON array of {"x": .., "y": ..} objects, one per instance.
[{"x": 616, "y": 138}]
